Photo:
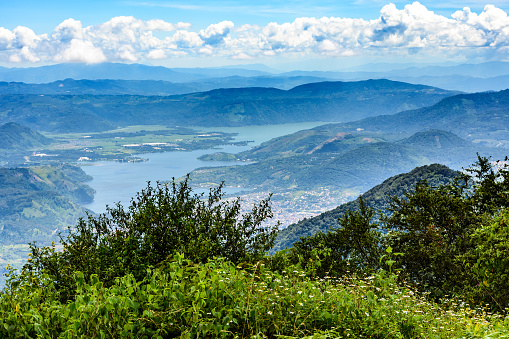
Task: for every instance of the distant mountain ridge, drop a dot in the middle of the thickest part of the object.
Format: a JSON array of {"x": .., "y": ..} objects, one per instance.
[
  {"x": 325, "y": 101},
  {"x": 149, "y": 87},
  {"x": 118, "y": 71}
]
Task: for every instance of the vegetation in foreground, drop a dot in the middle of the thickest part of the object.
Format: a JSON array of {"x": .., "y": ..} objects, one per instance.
[{"x": 175, "y": 265}]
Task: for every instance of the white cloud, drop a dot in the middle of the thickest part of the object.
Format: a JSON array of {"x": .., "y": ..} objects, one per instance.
[
  {"x": 28, "y": 55},
  {"x": 68, "y": 30},
  {"x": 405, "y": 31},
  {"x": 156, "y": 54},
  {"x": 185, "y": 39},
  {"x": 126, "y": 53},
  {"x": 242, "y": 56},
  {"x": 215, "y": 34},
  {"x": 14, "y": 58},
  {"x": 206, "y": 50},
  {"x": 81, "y": 51},
  {"x": 6, "y": 38},
  {"x": 24, "y": 36}
]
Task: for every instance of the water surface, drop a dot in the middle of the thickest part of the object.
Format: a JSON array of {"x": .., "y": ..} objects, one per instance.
[{"x": 119, "y": 182}]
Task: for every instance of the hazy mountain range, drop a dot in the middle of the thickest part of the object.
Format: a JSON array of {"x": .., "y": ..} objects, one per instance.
[{"x": 466, "y": 77}]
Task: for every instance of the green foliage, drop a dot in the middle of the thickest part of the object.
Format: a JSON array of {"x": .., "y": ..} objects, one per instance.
[
  {"x": 355, "y": 246},
  {"x": 217, "y": 299},
  {"x": 160, "y": 222},
  {"x": 431, "y": 226},
  {"x": 176, "y": 265},
  {"x": 488, "y": 263},
  {"x": 446, "y": 238}
]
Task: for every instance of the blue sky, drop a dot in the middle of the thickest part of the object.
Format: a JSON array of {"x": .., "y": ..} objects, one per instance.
[{"x": 322, "y": 34}]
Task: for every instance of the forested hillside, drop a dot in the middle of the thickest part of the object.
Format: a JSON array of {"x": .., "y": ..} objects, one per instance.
[
  {"x": 357, "y": 161},
  {"x": 38, "y": 202},
  {"x": 376, "y": 198},
  {"x": 15, "y": 137}
]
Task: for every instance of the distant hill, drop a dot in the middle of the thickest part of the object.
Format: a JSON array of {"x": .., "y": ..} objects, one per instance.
[
  {"x": 488, "y": 76},
  {"x": 480, "y": 117},
  {"x": 432, "y": 145},
  {"x": 389, "y": 71},
  {"x": 465, "y": 77},
  {"x": 326, "y": 101},
  {"x": 459, "y": 82},
  {"x": 357, "y": 166},
  {"x": 376, "y": 198},
  {"x": 52, "y": 73},
  {"x": 36, "y": 203},
  {"x": 17, "y": 137},
  {"x": 481, "y": 70}
]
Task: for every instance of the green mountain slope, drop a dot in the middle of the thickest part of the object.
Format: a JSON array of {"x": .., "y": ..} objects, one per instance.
[
  {"x": 358, "y": 169},
  {"x": 17, "y": 137},
  {"x": 326, "y": 101},
  {"x": 317, "y": 140},
  {"x": 376, "y": 198},
  {"x": 38, "y": 202},
  {"x": 481, "y": 117}
]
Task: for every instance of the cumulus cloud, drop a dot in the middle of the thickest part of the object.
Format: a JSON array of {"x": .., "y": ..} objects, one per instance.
[
  {"x": 410, "y": 30},
  {"x": 68, "y": 30},
  {"x": 156, "y": 54},
  {"x": 81, "y": 51},
  {"x": 215, "y": 34}
]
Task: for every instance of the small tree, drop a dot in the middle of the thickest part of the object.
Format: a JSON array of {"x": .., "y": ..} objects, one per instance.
[
  {"x": 160, "y": 222},
  {"x": 430, "y": 226}
]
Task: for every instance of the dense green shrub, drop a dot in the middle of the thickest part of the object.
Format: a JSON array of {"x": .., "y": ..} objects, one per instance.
[
  {"x": 488, "y": 263},
  {"x": 160, "y": 222},
  {"x": 443, "y": 233}
]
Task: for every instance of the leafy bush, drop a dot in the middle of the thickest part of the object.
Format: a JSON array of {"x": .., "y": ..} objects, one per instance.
[
  {"x": 488, "y": 263},
  {"x": 160, "y": 222}
]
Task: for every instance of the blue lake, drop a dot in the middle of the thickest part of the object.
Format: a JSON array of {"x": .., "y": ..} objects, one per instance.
[{"x": 119, "y": 182}]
